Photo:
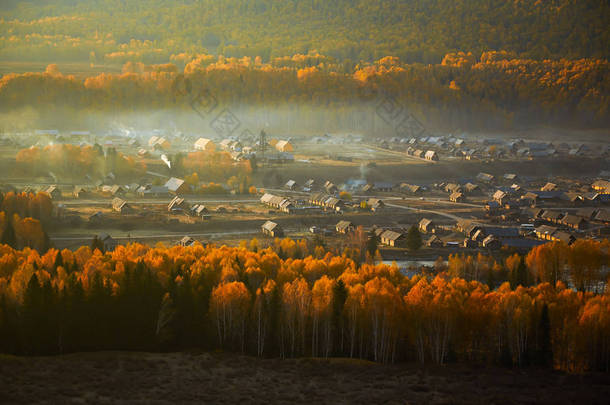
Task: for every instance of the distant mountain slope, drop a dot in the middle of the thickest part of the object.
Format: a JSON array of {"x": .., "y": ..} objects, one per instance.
[{"x": 414, "y": 30}]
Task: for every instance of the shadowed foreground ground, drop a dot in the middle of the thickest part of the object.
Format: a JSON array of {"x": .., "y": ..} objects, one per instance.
[{"x": 127, "y": 377}]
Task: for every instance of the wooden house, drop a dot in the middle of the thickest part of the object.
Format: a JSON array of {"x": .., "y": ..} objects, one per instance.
[
  {"x": 177, "y": 186},
  {"x": 393, "y": 238},
  {"x": 426, "y": 225},
  {"x": 272, "y": 229},
  {"x": 344, "y": 227}
]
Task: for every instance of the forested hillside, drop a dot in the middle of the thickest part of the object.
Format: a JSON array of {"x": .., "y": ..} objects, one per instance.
[{"x": 347, "y": 30}]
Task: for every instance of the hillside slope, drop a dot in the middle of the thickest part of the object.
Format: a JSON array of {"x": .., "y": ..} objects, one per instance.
[{"x": 414, "y": 30}]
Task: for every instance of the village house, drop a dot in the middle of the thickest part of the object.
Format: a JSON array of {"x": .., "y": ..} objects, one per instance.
[
  {"x": 367, "y": 188},
  {"x": 471, "y": 189},
  {"x": 552, "y": 216},
  {"x": 510, "y": 177},
  {"x": 116, "y": 190},
  {"x": 601, "y": 186},
  {"x": 284, "y": 146},
  {"x": 177, "y": 204},
  {"x": 549, "y": 187},
  {"x": 121, "y": 206},
  {"x": 469, "y": 243},
  {"x": 491, "y": 242},
  {"x": 383, "y": 186},
  {"x": 485, "y": 177},
  {"x": 334, "y": 204},
  {"x": 545, "y": 232},
  {"x": 158, "y": 143},
  {"x": 457, "y": 197},
  {"x": 152, "y": 141},
  {"x": 204, "y": 144},
  {"x": 318, "y": 199},
  {"x": 186, "y": 241},
  {"x": 587, "y": 213},
  {"x": 431, "y": 155},
  {"x": 272, "y": 200},
  {"x": 177, "y": 186},
  {"x": 410, "y": 188},
  {"x": 53, "y": 192},
  {"x": 501, "y": 197},
  {"x": 418, "y": 153},
  {"x": 200, "y": 211},
  {"x": 479, "y": 235},
  {"x": 80, "y": 192},
  {"x": 573, "y": 221},
  {"x": 603, "y": 216},
  {"x": 152, "y": 191},
  {"x": 434, "y": 242},
  {"x": 471, "y": 230},
  {"x": 107, "y": 241},
  {"x": 344, "y": 227},
  {"x": 272, "y": 229},
  {"x": 453, "y": 188},
  {"x": 330, "y": 187},
  {"x": 426, "y": 225},
  {"x": 374, "y": 204},
  {"x": 309, "y": 185},
  {"x": 291, "y": 185},
  {"x": 393, "y": 238},
  {"x": 564, "y": 236}
]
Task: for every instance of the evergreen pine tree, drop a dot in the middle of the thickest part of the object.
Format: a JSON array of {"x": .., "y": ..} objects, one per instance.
[{"x": 413, "y": 239}]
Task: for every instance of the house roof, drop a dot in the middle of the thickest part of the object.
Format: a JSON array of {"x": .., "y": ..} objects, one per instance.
[
  {"x": 456, "y": 195},
  {"x": 485, "y": 177},
  {"x": 343, "y": 225},
  {"x": 433, "y": 239},
  {"x": 174, "y": 184},
  {"x": 270, "y": 226},
  {"x": 374, "y": 202},
  {"x": 564, "y": 236},
  {"x": 489, "y": 239},
  {"x": 546, "y": 230},
  {"x": 572, "y": 219},
  {"x": 549, "y": 187},
  {"x": 499, "y": 194},
  {"x": 603, "y": 215},
  {"x": 552, "y": 214},
  {"x": 187, "y": 241},
  {"x": 391, "y": 235},
  {"x": 118, "y": 203},
  {"x": 425, "y": 222},
  {"x": 175, "y": 202}
]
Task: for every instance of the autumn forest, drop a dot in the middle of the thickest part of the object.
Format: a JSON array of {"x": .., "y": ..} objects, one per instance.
[{"x": 297, "y": 299}]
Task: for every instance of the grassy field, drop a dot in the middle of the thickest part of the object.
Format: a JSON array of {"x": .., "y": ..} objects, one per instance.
[{"x": 193, "y": 377}]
